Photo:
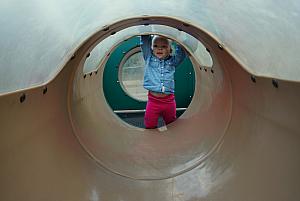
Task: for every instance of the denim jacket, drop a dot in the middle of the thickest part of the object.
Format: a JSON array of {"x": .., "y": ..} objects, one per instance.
[{"x": 159, "y": 73}]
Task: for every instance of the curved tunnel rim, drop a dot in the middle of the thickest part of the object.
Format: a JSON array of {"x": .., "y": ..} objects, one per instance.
[{"x": 90, "y": 44}]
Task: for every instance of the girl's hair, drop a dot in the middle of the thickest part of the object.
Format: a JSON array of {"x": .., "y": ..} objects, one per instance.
[{"x": 156, "y": 37}]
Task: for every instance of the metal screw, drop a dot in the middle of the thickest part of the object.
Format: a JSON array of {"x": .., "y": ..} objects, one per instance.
[
  {"x": 275, "y": 83},
  {"x": 253, "y": 78},
  {"x": 106, "y": 29},
  {"x": 22, "y": 98},
  {"x": 45, "y": 90}
]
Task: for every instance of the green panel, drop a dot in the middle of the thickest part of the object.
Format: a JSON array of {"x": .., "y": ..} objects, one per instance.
[
  {"x": 115, "y": 95},
  {"x": 184, "y": 83},
  {"x": 119, "y": 100}
]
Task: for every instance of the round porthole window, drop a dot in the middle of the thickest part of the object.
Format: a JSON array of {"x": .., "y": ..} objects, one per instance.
[{"x": 131, "y": 74}]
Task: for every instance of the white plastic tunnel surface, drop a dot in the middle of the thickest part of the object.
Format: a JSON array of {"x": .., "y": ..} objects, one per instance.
[{"x": 238, "y": 140}]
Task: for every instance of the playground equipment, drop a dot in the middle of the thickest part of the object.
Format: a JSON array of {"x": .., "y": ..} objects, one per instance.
[{"x": 238, "y": 139}]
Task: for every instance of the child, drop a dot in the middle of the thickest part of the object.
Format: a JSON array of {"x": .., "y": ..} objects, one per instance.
[{"x": 159, "y": 78}]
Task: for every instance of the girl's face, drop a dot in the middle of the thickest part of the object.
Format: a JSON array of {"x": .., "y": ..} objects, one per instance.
[{"x": 161, "y": 48}]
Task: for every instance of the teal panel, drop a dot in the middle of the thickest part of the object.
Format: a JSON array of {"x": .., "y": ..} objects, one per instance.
[{"x": 118, "y": 99}]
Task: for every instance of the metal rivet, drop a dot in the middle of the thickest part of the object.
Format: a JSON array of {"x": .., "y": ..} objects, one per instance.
[
  {"x": 45, "y": 90},
  {"x": 253, "y": 78},
  {"x": 106, "y": 29},
  {"x": 22, "y": 98},
  {"x": 275, "y": 83},
  {"x": 88, "y": 55},
  {"x": 220, "y": 46}
]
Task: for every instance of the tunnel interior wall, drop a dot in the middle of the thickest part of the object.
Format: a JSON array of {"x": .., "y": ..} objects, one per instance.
[{"x": 255, "y": 158}]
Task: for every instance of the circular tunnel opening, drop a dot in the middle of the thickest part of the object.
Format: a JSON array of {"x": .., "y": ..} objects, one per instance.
[
  {"x": 149, "y": 154},
  {"x": 123, "y": 83}
]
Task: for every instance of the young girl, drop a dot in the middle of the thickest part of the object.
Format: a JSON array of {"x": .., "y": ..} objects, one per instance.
[{"x": 159, "y": 78}]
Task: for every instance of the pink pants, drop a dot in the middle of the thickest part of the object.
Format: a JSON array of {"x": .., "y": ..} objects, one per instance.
[{"x": 160, "y": 106}]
